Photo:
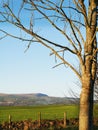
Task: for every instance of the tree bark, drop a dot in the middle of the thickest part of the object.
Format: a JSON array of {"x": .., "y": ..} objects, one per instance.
[
  {"x": 86, "y": 104},
  {"x": 89, "y": 73}
]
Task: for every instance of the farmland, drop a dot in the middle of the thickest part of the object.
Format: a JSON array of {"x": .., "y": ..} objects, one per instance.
[
  {"x": 31, "y": 112},
  {"x": 48, "y": 112}
]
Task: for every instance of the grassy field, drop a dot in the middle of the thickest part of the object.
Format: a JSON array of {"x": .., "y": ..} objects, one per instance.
[
  {"x": 47, "y": 112},
  {"x": 31, "y": 112}
]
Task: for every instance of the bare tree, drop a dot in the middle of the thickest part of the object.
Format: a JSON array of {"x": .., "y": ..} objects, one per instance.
[{"x": 76, "y": 21}]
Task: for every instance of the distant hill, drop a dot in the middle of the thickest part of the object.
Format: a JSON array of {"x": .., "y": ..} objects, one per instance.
[{"x": 33, "y": 99}]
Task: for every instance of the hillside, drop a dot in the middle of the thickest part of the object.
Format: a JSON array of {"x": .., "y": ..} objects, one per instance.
[{"x": 32, "y": 99}]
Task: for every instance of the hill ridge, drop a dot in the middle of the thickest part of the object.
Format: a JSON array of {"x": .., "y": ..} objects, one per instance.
[{"x": 31, "y": 99}]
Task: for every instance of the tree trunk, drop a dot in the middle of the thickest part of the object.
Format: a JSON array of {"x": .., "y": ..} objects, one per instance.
[
  {"x": 89, "y": 71},
  {"x": 86, "y": 104}
]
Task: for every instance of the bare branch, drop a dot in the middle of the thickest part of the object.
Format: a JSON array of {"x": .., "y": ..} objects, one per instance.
[
  {"x": 57, "y": 65},
  {"x": 16, "y": 37},
  {"x": 61, "y": 4},
  {"x": 3, "y": 37},
  {"x": 62, "y": 59},
  {"x": 72, "y": 28},
  {"x": 54, "y": 25},
  {"x": 82, "y": 9}
]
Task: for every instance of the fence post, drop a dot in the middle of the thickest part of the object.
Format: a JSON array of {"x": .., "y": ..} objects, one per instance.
[
  {"x": 10, "y": 121},
  {"x": 39, "y": 119},
  {"x": 64, "y": 119}
]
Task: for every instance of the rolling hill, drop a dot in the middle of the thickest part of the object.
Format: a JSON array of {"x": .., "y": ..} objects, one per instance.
[{"x": 32, "y": 99}]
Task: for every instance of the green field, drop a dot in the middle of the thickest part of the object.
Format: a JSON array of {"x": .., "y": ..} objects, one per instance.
[
  {"x": 47, "y": 112},
  {"x": 31, "y": 112}
]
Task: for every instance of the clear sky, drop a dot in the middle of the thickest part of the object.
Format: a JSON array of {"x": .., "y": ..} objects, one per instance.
[{"x": 32, "y": 72}]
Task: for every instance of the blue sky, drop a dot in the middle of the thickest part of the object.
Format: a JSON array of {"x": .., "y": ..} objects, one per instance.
[{"x": 32, "y": 72}]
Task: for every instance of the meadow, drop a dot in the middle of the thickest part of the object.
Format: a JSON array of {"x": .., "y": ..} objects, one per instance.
[
  {"x": 51, "y": 112},
  {"x": 47, "y": 112},
  {"x": 32, "y": 112}
]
